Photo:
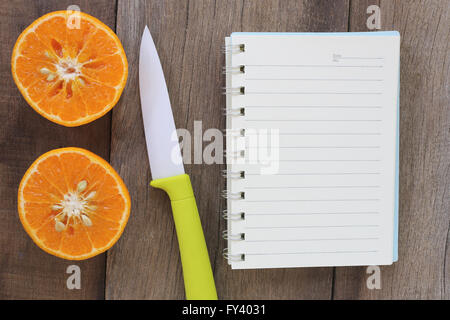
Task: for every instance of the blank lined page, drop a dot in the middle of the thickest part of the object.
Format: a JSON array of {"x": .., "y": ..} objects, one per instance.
[{"x": 330, "y": 102}]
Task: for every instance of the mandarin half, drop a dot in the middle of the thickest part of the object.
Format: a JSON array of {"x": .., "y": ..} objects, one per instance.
[{"x": 70, "y": 68}]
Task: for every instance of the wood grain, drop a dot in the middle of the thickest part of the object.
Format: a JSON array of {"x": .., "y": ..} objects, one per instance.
[
  {"x": 145, "y": 263},
  {"x": 423, "y": 269},
  {"x": 188, "y": 36},
  {"x": 26, "y": 272}
]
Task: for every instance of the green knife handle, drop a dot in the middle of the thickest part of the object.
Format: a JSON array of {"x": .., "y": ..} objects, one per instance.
[{"x": 197, "y": 273}]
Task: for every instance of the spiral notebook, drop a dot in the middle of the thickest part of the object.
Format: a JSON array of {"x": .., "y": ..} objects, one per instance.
[{"x": 312, "y": 149}]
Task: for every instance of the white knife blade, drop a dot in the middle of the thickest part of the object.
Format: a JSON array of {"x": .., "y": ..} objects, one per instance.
[
  {"x": 160, "y": 133},
  {"x": 168, "y": 173}
]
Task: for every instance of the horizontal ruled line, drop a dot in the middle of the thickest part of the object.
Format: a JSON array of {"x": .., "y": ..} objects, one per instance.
[
  {"x": 314, "y": 174},
  {"x": 311, "y": 187},
  {"x": 313, "y": 66},
  {"x": 313, "y": 120},
  {"x": 330, "y": 134},
  {"x": 309, "y": 79},
  {"x": 321, "y": 239},
  {"x": 327, "y": 160},
  {"x": 316, "y": 200},
  {"x": 362, "y": 58},
  {"x": 306, "y": 92},
  {"x": 310, "y": 213},
  {"x": 319, "y": 134},
  {"x": 303, "y": 227},
  {"x": 375, "y": 107},
  {"x": 312, "y": 252},
  {"x": 320, "y": 147}
]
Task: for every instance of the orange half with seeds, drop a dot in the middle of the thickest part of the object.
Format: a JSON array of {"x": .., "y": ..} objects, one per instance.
[
  {"x": 73, "y": 204},
  {"x": 70, "y": 73}
]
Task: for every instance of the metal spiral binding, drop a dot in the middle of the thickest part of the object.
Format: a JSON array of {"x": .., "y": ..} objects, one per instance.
[
  {"x": 233, "y": 216},
  {"x": 237, "y": 133},
  {"x": 240, "y": 111},
  {"x": 234, "y": 90},
  {"x": 233, "y": 48},
  {"x": 233, "y": 174},
  {"x": 234, "y": 132},
  {"x": 233, "y": 257},
  {"x": 235, "y": 154},
  {"x": 233, "y": 70},
  {"x": 233, "y": 195},
  {"x": 233, "y": 237}
]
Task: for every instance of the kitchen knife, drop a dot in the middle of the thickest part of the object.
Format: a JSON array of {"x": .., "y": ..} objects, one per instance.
[{"x": 167, "y": 170}]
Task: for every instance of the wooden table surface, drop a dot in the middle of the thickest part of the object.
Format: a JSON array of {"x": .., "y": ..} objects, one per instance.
[{"x": 144, "y": 264}]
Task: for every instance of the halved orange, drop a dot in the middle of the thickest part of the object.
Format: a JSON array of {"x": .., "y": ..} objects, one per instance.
[
  {"x": 73, "y": 204},
  {"x": 70, "y": 73}
]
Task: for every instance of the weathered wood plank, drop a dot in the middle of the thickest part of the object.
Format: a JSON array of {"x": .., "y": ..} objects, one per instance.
[
  {"x": 26, "y": 272},
  {"x": 189, "y": 36},
  {"x": 423, "y": 269}
]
